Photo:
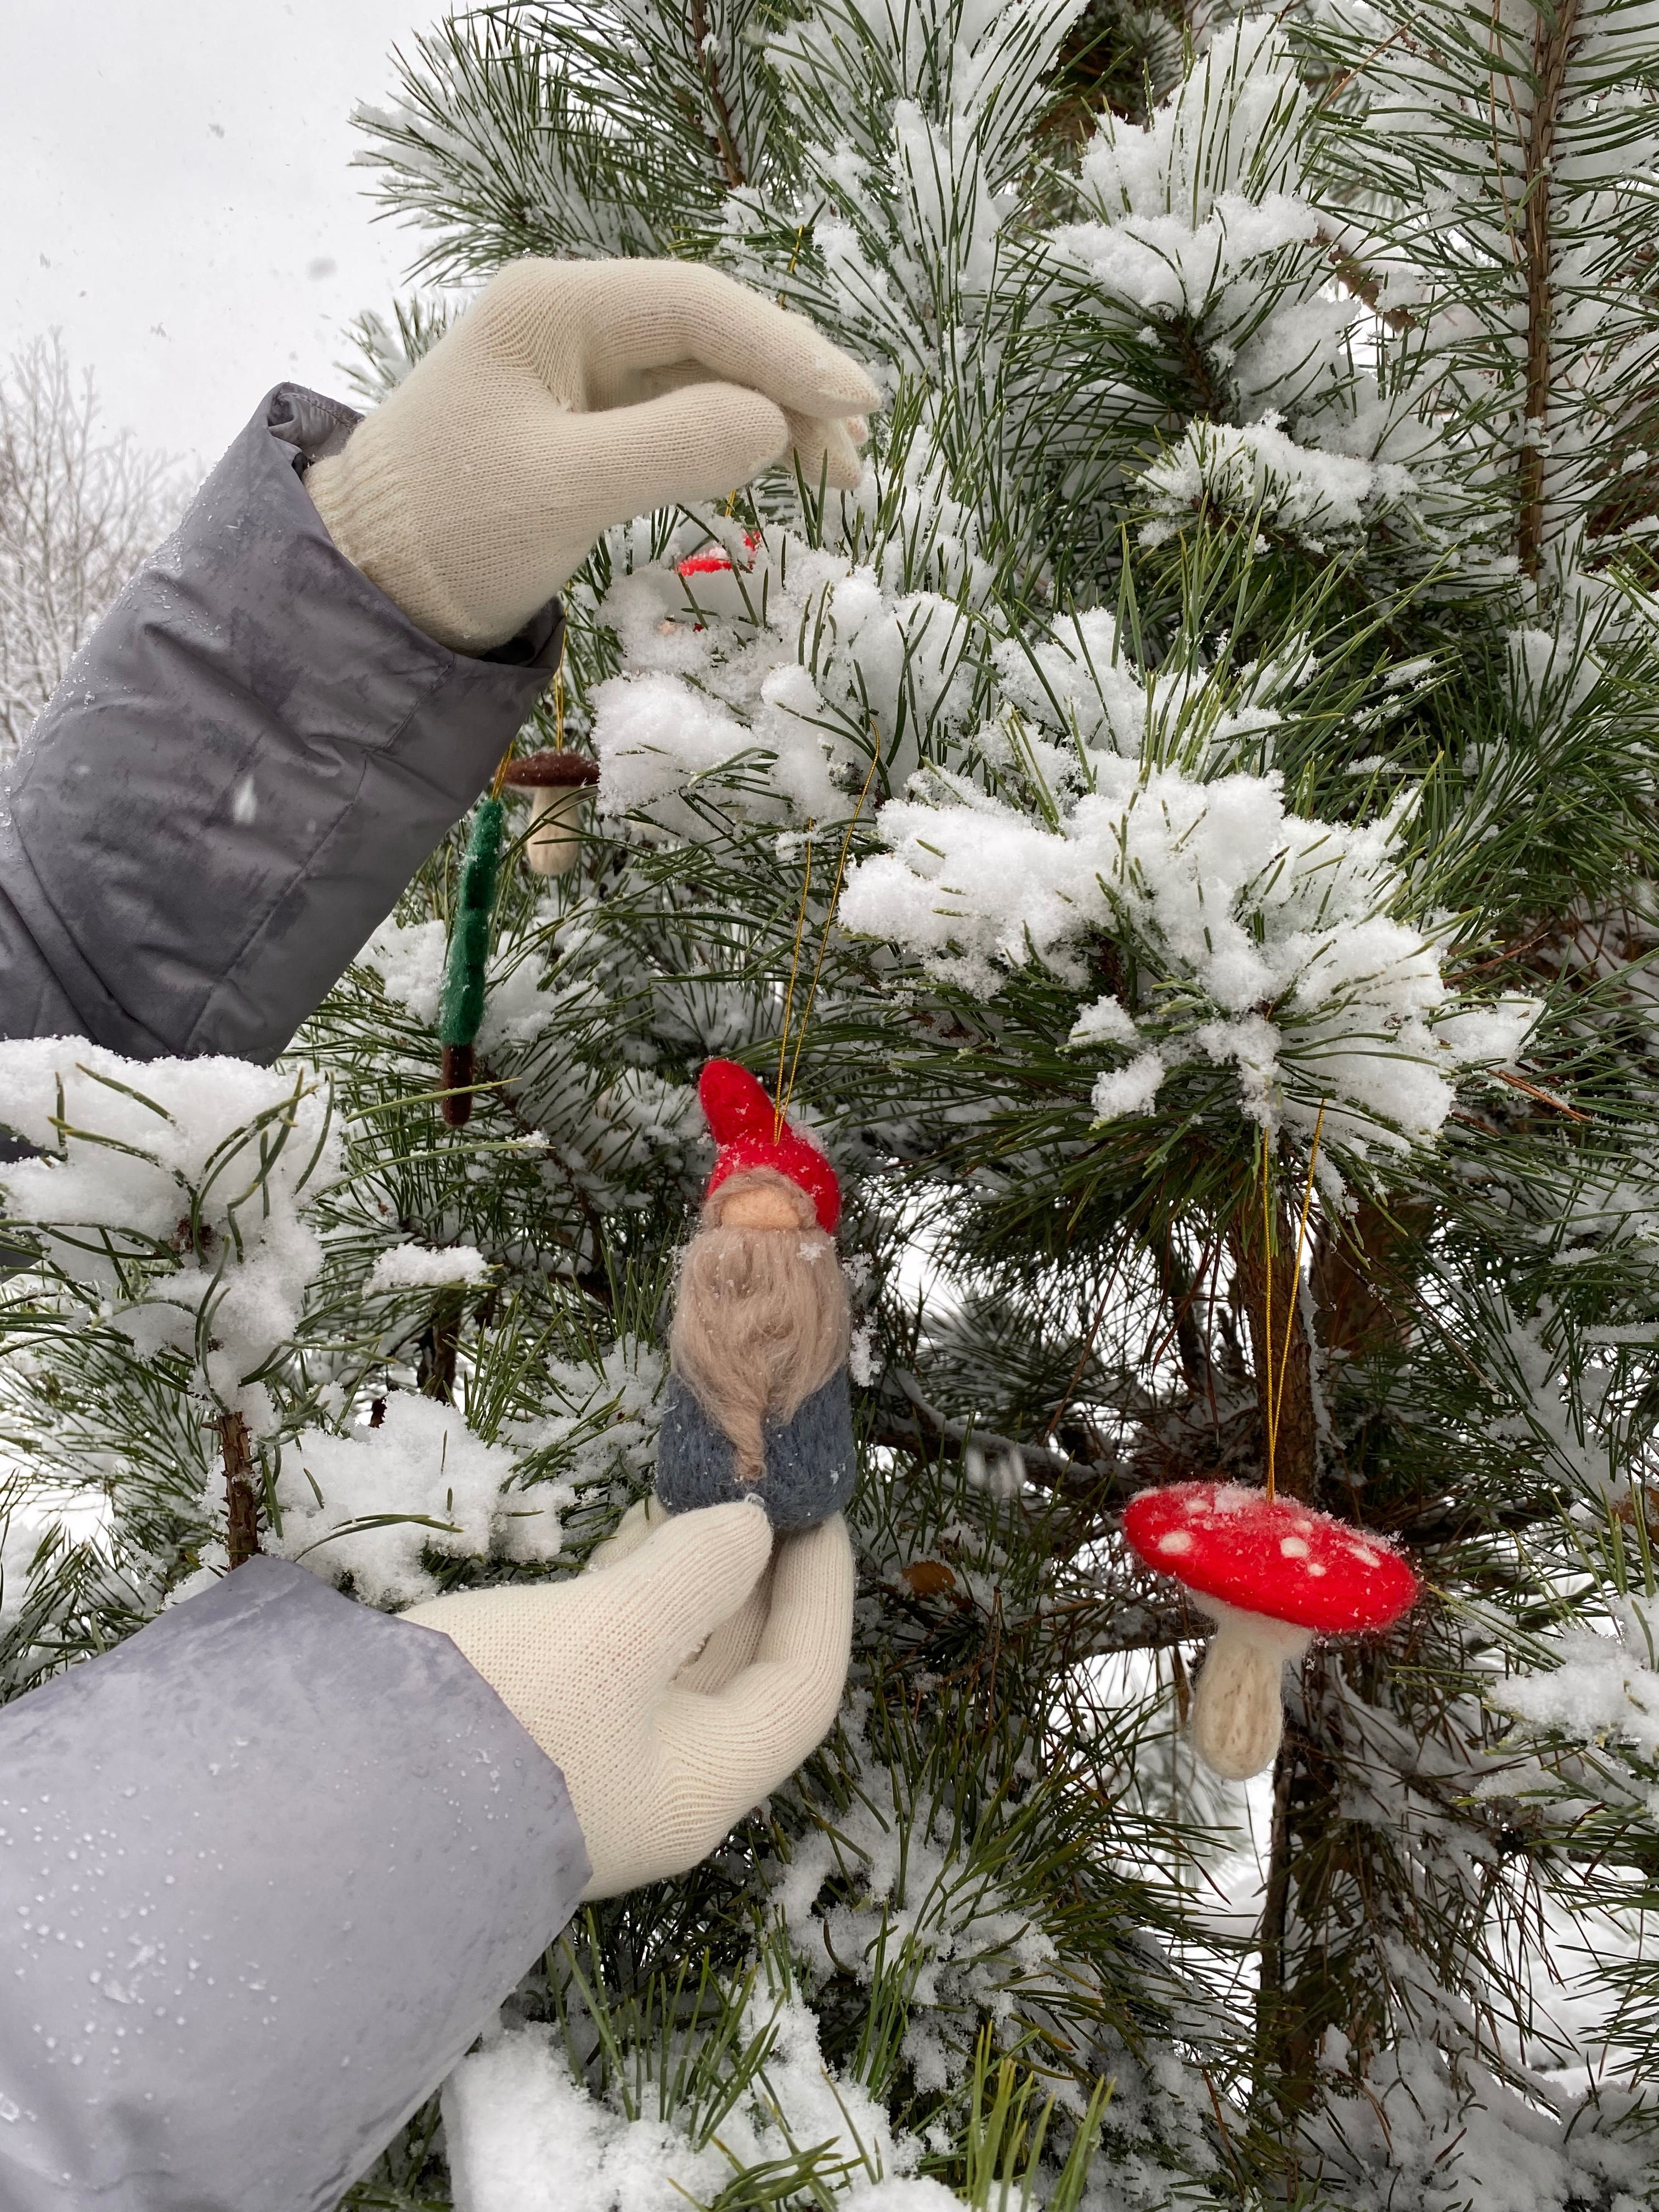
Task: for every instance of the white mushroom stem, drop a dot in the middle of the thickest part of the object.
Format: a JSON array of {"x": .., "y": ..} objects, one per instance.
[
  {"x": 1238, "y": 1707},
  {"x": 552, "y": 842}
]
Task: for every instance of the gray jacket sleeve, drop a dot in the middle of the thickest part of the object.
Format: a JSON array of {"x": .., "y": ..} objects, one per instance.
[
  {"x": 244, "y": 767},
  {"x": 265, "y": 1870}
]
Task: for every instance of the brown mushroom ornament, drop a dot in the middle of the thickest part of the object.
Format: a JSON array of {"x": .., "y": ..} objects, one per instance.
[
  {"x": 557, "y": 782},
  {"x": 1272, "y": 1574}
]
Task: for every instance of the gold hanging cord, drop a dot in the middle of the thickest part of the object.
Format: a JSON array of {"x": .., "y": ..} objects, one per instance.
[
  {"x": 789, "y": 995},
  {"x": 786, "y": 1089},
  {"x": 498, "y": 782},
  {"x": 1276, "y": 1385}
]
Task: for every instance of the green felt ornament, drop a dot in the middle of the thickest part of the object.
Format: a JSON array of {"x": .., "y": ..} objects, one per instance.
[{"x": 460, "y": 1009}]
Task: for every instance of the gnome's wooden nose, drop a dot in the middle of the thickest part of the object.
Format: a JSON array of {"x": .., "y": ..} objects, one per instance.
[{"x": 761, "y": 1208}]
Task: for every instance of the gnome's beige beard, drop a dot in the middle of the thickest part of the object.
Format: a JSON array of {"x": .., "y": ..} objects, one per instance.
[{"x": 762, "y": 1322}]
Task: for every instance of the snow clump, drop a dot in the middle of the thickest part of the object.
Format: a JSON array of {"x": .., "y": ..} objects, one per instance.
[
  {"x": 1194, "y": 224},
  {"x": 1260, "y": 942},
  {"x": 523, "y": 2135},
  {"x": 734, "y": 703},
  {"x": 1602, "y": 1689},
  {"x": 368, "y": 1503},
  {"x": 1321, "y": 500},
  {"x": 195, "y": 1173},
  {"x": 418, "y": 1267},
  {"x": 408, "y": 958}
]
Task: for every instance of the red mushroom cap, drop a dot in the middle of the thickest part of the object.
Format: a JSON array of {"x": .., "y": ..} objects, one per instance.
[
  {"x": 1270, "y": 1555},
  {"x": 712, "y": 561},
  {"x": 530, "y": 769}
]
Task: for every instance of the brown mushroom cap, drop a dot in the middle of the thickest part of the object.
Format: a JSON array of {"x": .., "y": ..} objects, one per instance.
[
  {"x": 534, "y": 770},
  {"x": 1270, "y": 1555}
]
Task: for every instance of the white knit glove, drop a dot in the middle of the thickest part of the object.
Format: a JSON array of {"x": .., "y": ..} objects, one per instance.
[
  {"x": 570, "y": 396},
  {"x": 661, "y": 1762},
  {"x": 733, "y": 1645}
]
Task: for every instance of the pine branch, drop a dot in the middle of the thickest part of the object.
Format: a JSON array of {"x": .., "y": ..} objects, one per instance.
[
  {"x": 1553, "y": 34},
  {"x": 923, "y": 1425}
]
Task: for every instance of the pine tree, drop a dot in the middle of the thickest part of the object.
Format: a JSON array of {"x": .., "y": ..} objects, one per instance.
[{"x": 1183, "y": 831}]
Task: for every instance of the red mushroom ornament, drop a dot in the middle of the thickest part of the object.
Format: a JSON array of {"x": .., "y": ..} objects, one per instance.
[
  {"x": 1272, "y": 1574},
  {"x": 714, "y": 560}
]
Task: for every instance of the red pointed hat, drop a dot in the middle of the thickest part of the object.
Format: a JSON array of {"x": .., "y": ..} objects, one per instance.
[{"x": 742, "y": 1119}]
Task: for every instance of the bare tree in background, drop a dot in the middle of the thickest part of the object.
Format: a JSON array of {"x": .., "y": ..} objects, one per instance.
[{"x": 80, "y": 507}]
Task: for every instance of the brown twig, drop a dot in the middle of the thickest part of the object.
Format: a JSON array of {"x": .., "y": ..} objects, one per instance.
[
  {"x": 440, "y": 1348},
  {"x": 725, "y": 139},
  {"x": 242, "y": 1498},
  {"x": 1544, "y": 1097},
  {"x": 1354, "y": 277},
  {"x": 925, "y": 1425}
]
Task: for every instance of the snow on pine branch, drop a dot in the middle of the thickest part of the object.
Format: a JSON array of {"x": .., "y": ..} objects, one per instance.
[
  {"x": 987, "y": 61},
  {"x": 767, "y": 679},
  {"x": 369, "y": 1503},
  {"x": 1601, "y": 1690},
  {"x": 175, "y": 1204},
  {"x": 419, "y": 1266},
  {"x": 524, "y": 2135},
  {"x": 168, "y": 1195},
  {"x": 1320, "y": 500},
  {"x": 916, "y": 124},
  {"x": 1203, "y": 261},
  {"x": 1259, "y": 942},
  {"x": 1195, "y": 219},
  {"x": 1541, "y": 345}
]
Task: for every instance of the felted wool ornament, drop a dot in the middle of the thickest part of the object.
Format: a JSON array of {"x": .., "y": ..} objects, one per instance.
[
  {"x": 461, "y": 1003},
  {"x": 757, "y": 1402},
  {"x": 713, "y": 559},
  {"x": 1272, "y": 1575},
  {"x": 557, "y": 783}
]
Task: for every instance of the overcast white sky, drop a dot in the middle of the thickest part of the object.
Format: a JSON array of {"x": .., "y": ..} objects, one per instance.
[{"x": 175, "y": 195}]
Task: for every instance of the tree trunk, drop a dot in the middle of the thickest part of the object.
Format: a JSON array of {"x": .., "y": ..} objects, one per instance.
[
  {"x": 1361, "y": 1280},
  {"x": 1319, "y": 1968}
]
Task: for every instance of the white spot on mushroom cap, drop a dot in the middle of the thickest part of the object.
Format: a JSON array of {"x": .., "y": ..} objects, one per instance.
[
  {"x": 1176, "y": 1540},
  {"x": 1294, "y": 1547}
]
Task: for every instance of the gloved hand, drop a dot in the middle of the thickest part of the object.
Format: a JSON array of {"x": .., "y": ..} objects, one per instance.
[
  {"x": 660, "y": 1763},
  {"x": 733, "y": 1645},
  {"x": 570, "y": 396}
]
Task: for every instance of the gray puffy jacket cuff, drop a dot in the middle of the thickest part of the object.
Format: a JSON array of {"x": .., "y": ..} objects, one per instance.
[
  {"x": 265, "y": 1870},
  {"x": 242, "y": 769}
]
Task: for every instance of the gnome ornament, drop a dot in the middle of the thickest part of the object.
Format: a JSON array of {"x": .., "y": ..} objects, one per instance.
[{"x": 758, "y": 1404}]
